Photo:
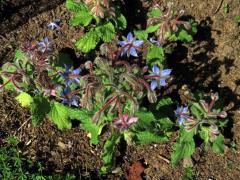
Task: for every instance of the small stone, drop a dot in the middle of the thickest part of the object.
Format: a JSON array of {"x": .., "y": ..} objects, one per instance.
[{"x": 62, "y": 145}]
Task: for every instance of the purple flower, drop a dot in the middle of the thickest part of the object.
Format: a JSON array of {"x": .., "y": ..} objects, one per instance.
[
  {"x": 152, "y": 40},
  {"x": 70, "y": 76},
  {"x": 130, "y": 45},
  {"x": 69, "y": 98},
  {"x": 45, "y": 45},
  {"x": 54, "y": 25},
  {"x": 182, "y": 114},
  {"x": 124, "y": 123},
  {"x": 160, "y": 75}
]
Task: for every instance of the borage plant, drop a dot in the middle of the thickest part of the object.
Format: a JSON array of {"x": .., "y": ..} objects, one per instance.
[
  {"x": 106, "y": 92},
  {"x": 201, "y": 116},
  {"x": 102, "y": 20}
]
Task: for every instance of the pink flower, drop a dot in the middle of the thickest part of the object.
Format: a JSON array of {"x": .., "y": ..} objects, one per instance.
[{"x": 124, "y": 123}]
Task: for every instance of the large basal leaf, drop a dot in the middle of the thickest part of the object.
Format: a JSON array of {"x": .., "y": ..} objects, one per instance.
[
  {"x": 145, "y": 120},
  {"x": 39, "y": 109},
  {"x": 184, "y": 147},
  {"x": 24, "y": 99},
  {"x": 109, "y": 153},
  {"x": 86, "y": 123},
  {"x": 146, "y": 137},
  {"x": 88, "y": 42},
  {"x": 106, "y": 32},
  {"x": 83, "y": 18},
  {"x": 59, "y": 115},
  {"x": 75, "y": 7},
  {"x": 218, "y": 145}
]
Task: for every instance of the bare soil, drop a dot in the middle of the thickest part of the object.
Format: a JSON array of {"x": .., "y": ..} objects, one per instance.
[{"x": 211, "y": 62}]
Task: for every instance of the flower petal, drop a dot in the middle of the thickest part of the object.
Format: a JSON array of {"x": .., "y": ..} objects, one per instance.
[
  {"x": 77, "y": 80},
  {"x": 166, "y": 72},
  {"x": 125, "y": 117},
  {"x": 77, "y": 71},
  {"x": 132, "y": 120},
  {"x": 163, "y": 82},
  {"x": 133, "y": 52},
  {"x": 156, "y": 70},
  {"x": 46, "y": 40},
  {"x": 122, "y": 43},
  {"x": 138, "y": 43},
  {"x": 153, "y": 85},
  {"x": 130, "y": 36}
]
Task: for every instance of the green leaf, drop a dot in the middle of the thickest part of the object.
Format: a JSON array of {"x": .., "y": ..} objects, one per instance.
[
  {"x": 155, "y": 55},
  {"x": 39, "y": 108},
  {"x": 164, "y": 124},
  {"x": 83, "y": 18},
  {"x": 88, "y": 42},
  {"x": 121, "y": 22},
  {"x": 60, "y": 116},
  {"x": 155, "y": 12},
  {"x": 106, "y": 32},
  {"x": 20, "y": 55},
  {"x": 145, "y": 120},
  {"x": 184, "y": 147},
  {"x": 218, "y": 146},
  {"x": 109, "y": 153},
  {"x": 24, "y": 99},
  {"x": 75, "y": 7},
  {"x": 146, "y": 137},
  {"x": 197, "y": 111},
  {"x": 165, "y": 101},
  {"x": 86, "y": 123},
  {"x": 181, "y": 35},
  {"x": 153, "y": 28},
  {"x": 141, "y": 34}
]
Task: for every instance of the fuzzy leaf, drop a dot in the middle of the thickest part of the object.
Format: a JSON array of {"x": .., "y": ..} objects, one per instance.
[
  {"x": 218, "y": 145},
  {"x": 197, "y": 111},
  {"x": 24, "y": 99},
  {"x": 121, "y": 22},
  {"x": 39, "y": 108},
  {"x": 155, "y": 12},
  {"x": 75, "y": 7},
  {"x": 141, "y": 34},
  {"x": 155, "y": 55},
  {"x": 60, "y": 116},
  {"x": 20, "y": 55},
  {"x": 153, "y": 28},
  {"x": 86, "y": 123},
  {"x": 181, "y": 35},
  {"x": 109, "y": 153},
  {"x": 88, "y": 42},
  {"x": 146, "y": 137},
  {"x": 184, "y": 147},
  {"x": 83, "y": 18},
  {"x": 145, "y": 120},
  {"x": 106, "y": 32}
]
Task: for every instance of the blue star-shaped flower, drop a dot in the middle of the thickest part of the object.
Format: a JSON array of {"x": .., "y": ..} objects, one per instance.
[
  {"x": 68, "y": 98},
  {"x": 54, "y": 25},
  {"x": 45, "y": 45},
  {"x": 162, "y": 75},
  {"x": 181, "y": 113},
  {"x": 70, "y": 76},
  {"x": 130, "y": 45}
]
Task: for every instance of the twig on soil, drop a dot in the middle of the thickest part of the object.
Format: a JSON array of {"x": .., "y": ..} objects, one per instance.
[
  {"x": 23, "y": 125},
  {"x": 219, "y": 6},
  {"x": 163, "y": 158}
]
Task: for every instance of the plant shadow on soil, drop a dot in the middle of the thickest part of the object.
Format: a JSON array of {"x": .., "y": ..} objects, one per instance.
[{"x": 194, "y": 65}]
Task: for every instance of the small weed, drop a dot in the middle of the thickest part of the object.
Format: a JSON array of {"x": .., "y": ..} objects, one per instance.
[{"x": 188, "y": 173}]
